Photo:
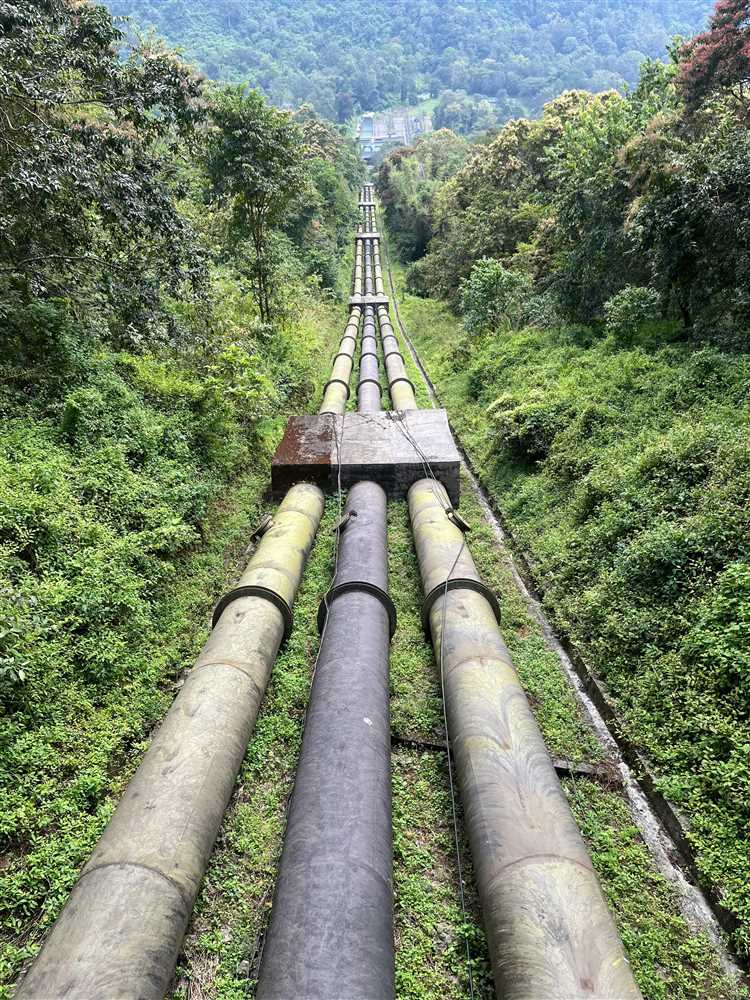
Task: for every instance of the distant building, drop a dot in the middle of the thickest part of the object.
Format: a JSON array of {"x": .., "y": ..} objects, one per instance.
[{"x": 392, "y": 128}]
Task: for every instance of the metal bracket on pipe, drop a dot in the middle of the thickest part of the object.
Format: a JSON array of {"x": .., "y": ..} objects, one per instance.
[
  {"x": 256, "y": 591},
  {"x": 363, "y": 586},
  {"x": 262, "y": 528},
  {"x": 459, "y": 522},
  {"x": 364, "y": 381},
  {"x": 339, "y": 526},
  {"x": 401, "y": 378},
  {"x": 458, "y": 583}
]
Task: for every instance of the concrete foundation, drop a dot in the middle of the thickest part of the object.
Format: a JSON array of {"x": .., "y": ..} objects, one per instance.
[{"x": 384, "y": 447}]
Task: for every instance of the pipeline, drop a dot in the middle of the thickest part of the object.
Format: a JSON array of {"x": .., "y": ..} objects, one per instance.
[
  {"x": 550, "y": 932},
  {"x": 120, "y": 932},
  {"x": 331, "y": 929}
]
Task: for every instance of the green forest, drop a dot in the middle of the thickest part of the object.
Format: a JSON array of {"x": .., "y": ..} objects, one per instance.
[
  {"x": 152, "y": 334},
  {"x": 598, "y": 258},
  {"x": 350, "y": 56},
  {"x": 570, "y": 257}
]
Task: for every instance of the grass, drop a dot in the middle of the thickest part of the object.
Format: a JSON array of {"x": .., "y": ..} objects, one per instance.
[
  {"x": 669, "y": 960},
  {"x": 116, "y": 543}
]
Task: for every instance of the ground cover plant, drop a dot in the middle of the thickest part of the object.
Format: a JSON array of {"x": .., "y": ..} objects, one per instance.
[{"x": 588, "y": 332}]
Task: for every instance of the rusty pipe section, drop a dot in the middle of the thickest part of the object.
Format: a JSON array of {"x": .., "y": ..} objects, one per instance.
[
  {"x": 549, "y": 930},
  {"x": 121, "y": 930}
]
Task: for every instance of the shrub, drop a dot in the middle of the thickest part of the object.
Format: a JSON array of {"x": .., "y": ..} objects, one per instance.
[
  {"x": 628, "y": 310},
  {"x": 492, "y": 296}
]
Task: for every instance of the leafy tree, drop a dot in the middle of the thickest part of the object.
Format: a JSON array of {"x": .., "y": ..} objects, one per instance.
[
  {"x": 407, "y": 181},
  {"x": 517, "y": 53},
  {"x": 493, "y": 296},
  {"x": 255, "y": 165},
  {"x": 86, "y": 128},
  {"x": 628, "y": 310},
  {"x": 719, "y": 59}
]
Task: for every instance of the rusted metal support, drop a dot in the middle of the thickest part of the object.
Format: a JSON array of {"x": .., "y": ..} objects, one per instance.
[
  {"x": 549, "y": 931},
  {"x": 120, "y": 932}
]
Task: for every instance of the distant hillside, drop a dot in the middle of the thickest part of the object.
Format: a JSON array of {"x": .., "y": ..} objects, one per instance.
[{"x": 348, "y": 55}]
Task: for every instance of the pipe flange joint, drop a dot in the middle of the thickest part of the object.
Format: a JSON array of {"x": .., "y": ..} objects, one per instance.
[
  {"x": 458, "y": 583},
  {"x": 373, "y": 381},
  {"x": 254, "y": 590},
  {"x": 401, "y": 378},
  {"x": 341, "y": 354},
  {"x": 362, "y": 586},
  {"x": 394, "y": 354},
  {"x": 336, "y": 381}
]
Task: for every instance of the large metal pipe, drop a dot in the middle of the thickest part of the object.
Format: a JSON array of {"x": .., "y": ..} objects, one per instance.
[
  {"x": 368, "y": 388},
  {"x": 120, "y": 932},
  {"x": 336, "y": 391},
  {"x": 331, "y": 929},
  {"x": 549, "y": 930}
]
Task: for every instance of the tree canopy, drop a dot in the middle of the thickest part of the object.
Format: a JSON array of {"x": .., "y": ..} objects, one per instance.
[{"x": 344, "y": 55}]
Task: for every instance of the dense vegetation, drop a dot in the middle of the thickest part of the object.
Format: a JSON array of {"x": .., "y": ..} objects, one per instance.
[
  {"x": 138, "y": 380},
  {"x": 348, "y": 56},
  {"x": 599, "y": 257}
]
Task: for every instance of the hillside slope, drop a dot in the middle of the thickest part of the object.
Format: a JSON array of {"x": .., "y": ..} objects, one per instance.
[{"x": 520, "y": 53}]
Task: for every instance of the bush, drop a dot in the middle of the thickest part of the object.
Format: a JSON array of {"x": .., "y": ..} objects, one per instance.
[
  {"x": 492, "y": 296},
  {"x": 627, "y": 311}
]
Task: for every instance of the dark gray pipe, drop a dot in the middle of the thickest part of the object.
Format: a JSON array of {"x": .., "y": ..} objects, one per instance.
[
  {"x": 368, "y": 388},
  {"x": 331, "y": 930}
]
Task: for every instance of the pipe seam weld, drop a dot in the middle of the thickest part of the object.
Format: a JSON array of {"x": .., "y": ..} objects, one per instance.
[
  {"x": 233, "y": 665},
  {"x": 531, "y": 859},
  {"x": 458, "y": 583},
  {"x": 254, "y": 590},
  {"x": 357, "y": 585},
  {"x": 336, "y": 381},
  {"x": 187, "y": 899}
]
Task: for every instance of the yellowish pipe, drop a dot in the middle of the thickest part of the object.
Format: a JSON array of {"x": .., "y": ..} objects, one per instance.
[
  {"x": 550, "y": 933},
  {"x": 121, "y": 930}
]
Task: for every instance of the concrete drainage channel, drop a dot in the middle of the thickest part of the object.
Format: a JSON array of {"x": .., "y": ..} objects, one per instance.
[
  {"x": 667, "y": 850},
  {"x": 550, "y": 933}
]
